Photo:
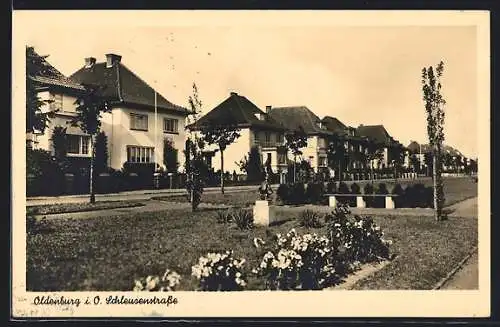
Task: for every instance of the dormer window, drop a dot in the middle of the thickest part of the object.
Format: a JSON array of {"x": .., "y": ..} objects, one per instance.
[{"x": 260, "y": 116}]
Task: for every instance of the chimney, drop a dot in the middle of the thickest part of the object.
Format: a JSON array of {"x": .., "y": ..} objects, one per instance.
[
  {"x": 89, "y": 62},
  {"x": 112, "y": 59},
  {"x": 234, "y": 93},
  {"x": 268, "y": 109}
]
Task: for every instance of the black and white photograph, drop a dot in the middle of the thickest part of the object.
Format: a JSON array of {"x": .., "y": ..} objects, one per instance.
[{"x": 264, "y": 163}]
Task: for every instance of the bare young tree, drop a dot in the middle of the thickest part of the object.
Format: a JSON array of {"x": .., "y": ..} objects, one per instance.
[{"x": 434, "y": 107}]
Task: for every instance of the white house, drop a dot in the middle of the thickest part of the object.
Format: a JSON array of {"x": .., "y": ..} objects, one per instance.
[
  {"x": 136, "y": 131},
  {"x": 141, "y": 119}
]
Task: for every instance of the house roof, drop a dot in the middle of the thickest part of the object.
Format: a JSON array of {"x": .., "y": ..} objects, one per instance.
[
  {"x": 122, "y": 86},
  {"x": 53, "y": 77},
  {"x": 415, "y": 147},
  {"x": 240, "y": 111},
  {"x": 377, "y": 133},
  {"x": 334, "y": 125},
  {"x": 294, "y": 118}
]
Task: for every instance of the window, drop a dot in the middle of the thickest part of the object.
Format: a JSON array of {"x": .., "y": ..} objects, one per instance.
[
  {"x": 78, "y": 144},
  {"x": 268, "y": 138},
  {"x": 281, "y": 158},
  {"x": 170, "y": 125},
  {"x": 57, "y": 101},
  {"x": 256, "y": 138},
  {"x": 321, "y": 143},
  {"x": 140, "y": 154},
  {"x": 281, "y": 139},
  {"x": 322, "y": 161},
  {"x": 139, "y": 122},
  {"x": 346, "y": 145}
]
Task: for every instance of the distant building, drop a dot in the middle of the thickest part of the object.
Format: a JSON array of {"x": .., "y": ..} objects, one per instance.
[{"x": 257, "y": 129}]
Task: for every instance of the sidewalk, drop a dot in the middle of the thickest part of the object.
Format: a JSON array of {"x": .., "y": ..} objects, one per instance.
[{"x": 467, "y": 278}]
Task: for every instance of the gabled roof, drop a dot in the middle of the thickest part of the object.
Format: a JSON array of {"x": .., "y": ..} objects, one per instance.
[
  {"x": 334, "y": 125},
  {"x": 415, "y": 147},
  {"x": 241, "y": 111},
  {"x": 53, "y": 77},
  {"x": 122, "y": 86},
  {"x": 377, "y": 133},
  {"x": 293, "y": 118}
]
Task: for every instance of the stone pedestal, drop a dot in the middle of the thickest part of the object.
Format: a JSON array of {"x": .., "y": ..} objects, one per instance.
[
  {"x": 263, "y": 214},
  {"x": 389, "y": 202},
  {"x": 332, "y": 201},
  {"x": 360, "y": 202}
]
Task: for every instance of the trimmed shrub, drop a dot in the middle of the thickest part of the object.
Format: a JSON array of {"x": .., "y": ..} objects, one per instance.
[
  {"x": 420, "y": 196},
  {"x": 379, "y": 201},
  {"x": 399, "y": 199},
  {"x": 297, "y": 194},
  {"x": 331, "y": 187},
  {"x": 355, "y": 189},
  {"x": 369, "y": 200},
  {"x": 283, "y": 193},
  {"x": 315, "y": 192},
  {"x": 344, "y": 189},
  {"x": 429, "y": 197},
  {"x": 310, "y": 219}
]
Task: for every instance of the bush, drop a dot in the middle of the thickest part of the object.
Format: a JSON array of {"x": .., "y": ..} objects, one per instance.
[
  {"x": 310, "y": 219},
  {"x": 219, "y": 272},
  {"x": 44, "y": 175},
  {"x": 315, "y": 192},
  {"x": 369, "y": 200},
  {"x": 379, "y": 202},
  {"x": 355, "y": 239},
  {"x": 344, "y": 189},
  {"x": 297, "y": 262},
  {"x": 419, "y": 196},
  {"x": 283, "y": 193},
  {"x": 168, "y": 282},
  {"x": 399, "y": 199},
  {"x": 224, "y": 216},
  {"x": 297, "y": 194},
  {"x": 355, "y": 189},
  {"x": 331, "y": 187},
  {"x": 243, "y": 219}
]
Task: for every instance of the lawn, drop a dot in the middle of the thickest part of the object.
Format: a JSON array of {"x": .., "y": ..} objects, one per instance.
[
  {"x": 108, "y": 253},
  {"x": 80, "y": 207},
  {"x": 456, "y": 190}
]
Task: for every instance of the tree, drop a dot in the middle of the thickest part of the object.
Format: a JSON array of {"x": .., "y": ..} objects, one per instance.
[
  {"x": 36, "y": 66},
  {"x": 434, "y": 107},
  {"x": 101, "y": 153},
  {"x": 295, "y": 141},
  {"x": 415, "y": 163},
  {"x": 397, "y": 155},
  {"x": 90, "y": 105},
  {"x": 170, "y": 156},
  {"x": 195, "y": 167},
  {"x": 336, "y": 154},
  {"x": 59, "y": 143},
  {"x": 373, "y": 152},
  {"x": 221, "y": 133},
  {"x": 428, "y": 161},
  {"x": 251, "y": 164}
]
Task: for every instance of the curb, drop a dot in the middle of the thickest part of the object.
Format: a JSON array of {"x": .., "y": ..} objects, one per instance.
[{"x": 454, "y": 271}]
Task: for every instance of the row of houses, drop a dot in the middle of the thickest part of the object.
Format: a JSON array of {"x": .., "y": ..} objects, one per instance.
[{"x": 141, "y": 120}]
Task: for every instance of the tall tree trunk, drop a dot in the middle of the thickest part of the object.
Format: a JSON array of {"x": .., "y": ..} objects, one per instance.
[
  {"x": 294, "y": 168},
  {"x": 222, "y": 171},
  {"x": 92, "y": 155},
  {"x": 435, "y": 185}
]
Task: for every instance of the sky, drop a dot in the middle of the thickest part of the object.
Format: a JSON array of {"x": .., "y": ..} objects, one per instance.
[{"x": 360, "y": 74}]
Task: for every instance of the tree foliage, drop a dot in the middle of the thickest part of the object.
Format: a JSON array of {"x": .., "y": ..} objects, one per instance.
[
  {"x": 101, "y": 153},
  {"x": 221, "y": 133},
  {"x": 59, "y": 143},
  {"x": 170, "y": 156},
  {"x": 36, "y": 66},
  {"x": 89, "y": 108},
  {"x": 434, "y": 108},
  {"x": 251, "y": 164}
]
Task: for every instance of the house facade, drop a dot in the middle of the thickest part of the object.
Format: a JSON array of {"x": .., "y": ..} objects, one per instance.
[
  {"x": 256, "y": 128},
  {"x": 135, "y": 131},
  {"x": 141, "y": 120},
  {"x": 301, "y": 117}
]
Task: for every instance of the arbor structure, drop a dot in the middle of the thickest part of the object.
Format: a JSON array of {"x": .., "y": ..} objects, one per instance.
[
  {"x": 89, "y": 108},
  {"x": 434, "y": 107}
]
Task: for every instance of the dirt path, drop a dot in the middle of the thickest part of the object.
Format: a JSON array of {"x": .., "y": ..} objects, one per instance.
[{"x": 466, "y": 208}]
